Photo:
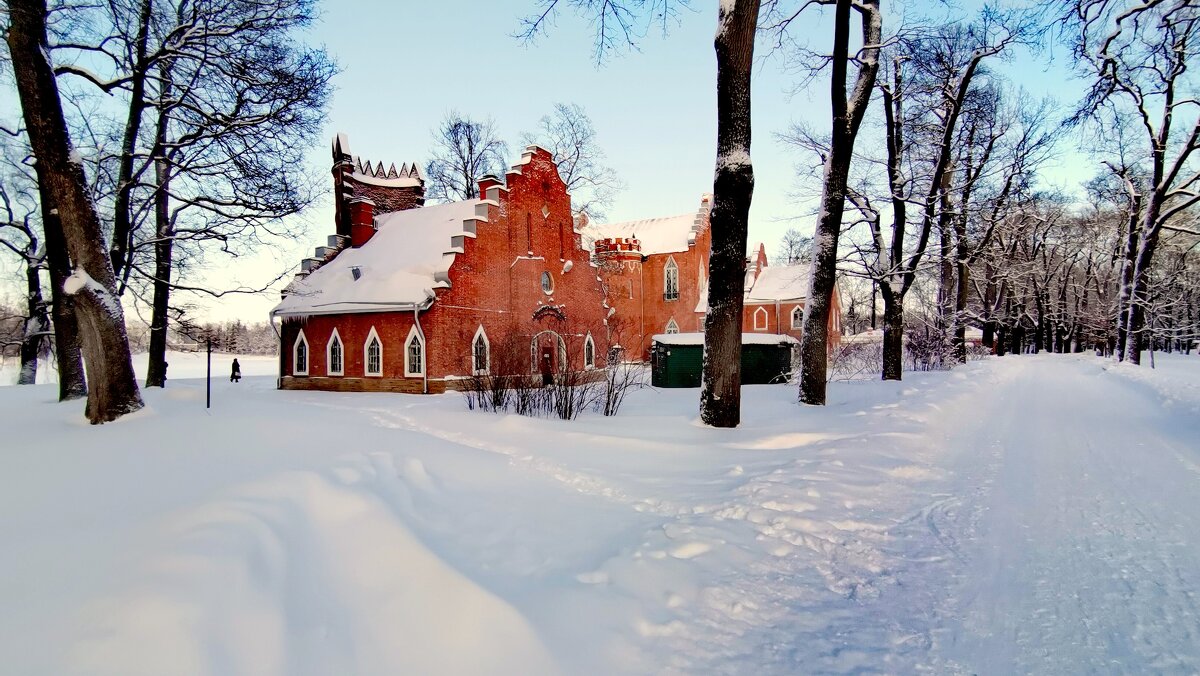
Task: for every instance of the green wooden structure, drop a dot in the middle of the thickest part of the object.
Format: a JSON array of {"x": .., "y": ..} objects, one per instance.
[{"x": 676, "y": 359}]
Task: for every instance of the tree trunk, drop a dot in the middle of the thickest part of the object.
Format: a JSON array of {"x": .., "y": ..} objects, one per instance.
[
  {"x": 893, "y": 336},
  {"x": 946, "y": 287},
  {"x": 989, "y": 303},
  {"x": 721, "y": 394},
  {"x": 1140, "y": 288},
  {"x": 71, "y": 381},
  {"x": 37, "y": 322},
  {"x": 1126, "y": 292},
  {"x": 113, "y": 392},
  {"x": 960, "y": 307},
  {"x": 164, "y": 240},
  {"x": 122, "y": 240},
  {"x": 847, "y": 117}
]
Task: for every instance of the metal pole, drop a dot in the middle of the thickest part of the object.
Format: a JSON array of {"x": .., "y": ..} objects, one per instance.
[{"x": 208, "y": 380}]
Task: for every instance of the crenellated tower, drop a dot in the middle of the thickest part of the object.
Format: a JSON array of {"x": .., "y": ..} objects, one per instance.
[{"x": 359, "y": 181}]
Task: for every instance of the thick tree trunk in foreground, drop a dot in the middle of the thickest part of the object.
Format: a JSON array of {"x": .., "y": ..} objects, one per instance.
[
  {"x": 113, "y": 392},
  {"x": 847, "y": 117},
  {"x": 721, "y": 393},
  {"x": 71, "y": 381}
]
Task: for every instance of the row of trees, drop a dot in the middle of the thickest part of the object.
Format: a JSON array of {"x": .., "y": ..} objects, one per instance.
[
  {"x": 156, "y": 134},
  {"x": 952, "y": 206}
]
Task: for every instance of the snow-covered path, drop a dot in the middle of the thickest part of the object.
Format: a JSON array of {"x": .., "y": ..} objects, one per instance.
[
  {"x": 1038, "y": 514},
  {"x": 1087, "y": 558}
]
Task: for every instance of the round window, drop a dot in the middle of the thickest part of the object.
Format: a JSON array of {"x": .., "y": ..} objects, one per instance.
[{"x": 547, "y": 283}]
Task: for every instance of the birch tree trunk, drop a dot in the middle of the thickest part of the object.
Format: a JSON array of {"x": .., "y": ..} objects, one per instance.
[
  {"x": 113, "y": 391},
  {"x": 847, "y": 117},
  {"x": 37, "y": 322},
  {"x": 733, "y": 188}
]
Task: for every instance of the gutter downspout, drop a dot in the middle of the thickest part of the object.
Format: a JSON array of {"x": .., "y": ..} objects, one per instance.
[
  {"x": 424, "y": 351},
  {"x": 282, "y": 354},
  {"x": 778, "y": 321},
  {"x": 642, "y": 303}
]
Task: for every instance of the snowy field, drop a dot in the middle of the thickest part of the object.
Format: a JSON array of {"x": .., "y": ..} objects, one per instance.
[
  {"x": 1018, "y": 515},
  {"x": 179, "y": 365}
]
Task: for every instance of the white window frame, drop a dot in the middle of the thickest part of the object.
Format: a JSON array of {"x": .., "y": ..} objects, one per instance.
[
  {"x": 672, "y": 326},
  {"x": 487, "y": 362},
  {"x": 668, "y": 269},
  {"x": 766, "y": 319},
  {"x": 589, "y": 364},
  {"x": 798, "y": 317},
  {"x": 329, "y": 354},
  {"x": 413, "y": 333},
  {"x": 544, "y": 280},
  {"x": 372, "y": 335},
  {"x": 301, "y": 338}
]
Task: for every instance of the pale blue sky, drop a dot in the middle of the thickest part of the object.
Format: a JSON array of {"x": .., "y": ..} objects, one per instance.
[{"x": 406, "y": 64}]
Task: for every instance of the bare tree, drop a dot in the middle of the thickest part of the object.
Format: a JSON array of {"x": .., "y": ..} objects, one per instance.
[
  {"x": 619, "y": 24},
  {"x": 464, "y": 150},
  {"x": 733, "y": 188},
  {"x": 848, "y": 110},
  {"x": 1137, "y": 53},
  {"x": 794, "y": 247},
  {"x": 18, "y": 235},
  {"x": 113, "y": 391},
  {"x": 569, "y": 135},
  {"x": 231, "y": 99},
  {"x": 930, "y": 85},
  {"x": 737, "y": 22}
]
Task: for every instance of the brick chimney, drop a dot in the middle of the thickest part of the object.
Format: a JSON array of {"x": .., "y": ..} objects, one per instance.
[
  {"x": 488, "y": 181},
  {"x": 362, "y": 220}
]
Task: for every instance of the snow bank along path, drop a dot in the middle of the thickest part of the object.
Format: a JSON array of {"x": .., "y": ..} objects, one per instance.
[{"x": 1032, "y": 514}]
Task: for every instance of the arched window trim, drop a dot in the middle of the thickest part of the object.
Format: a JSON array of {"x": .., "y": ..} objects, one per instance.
[
  {"x": 761, "y": 312},
  {"x": 672, "y": 326},
  {"x": 671, "y": 279},
  {"x": 589, "y": 352},
  {"x": 409, "y": 371},
  {"x": 329, "y": 354},
  {"x": 301, "y": 339},
  {"x": 798, "y": 317},
  {"x": 372, "y": 334},
  {"x": 487, "y": 355}
]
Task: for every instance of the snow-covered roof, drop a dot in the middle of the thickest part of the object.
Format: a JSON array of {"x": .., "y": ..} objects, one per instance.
[
  {"x": 670, "y": 234},
  {"x": 785, "y": 282},
  {"x": 397, "y": 268},
  {"x": 747, "y": 338}
]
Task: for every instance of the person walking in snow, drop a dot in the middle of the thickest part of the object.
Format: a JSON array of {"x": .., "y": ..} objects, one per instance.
[{"x": 236, "y": 376}]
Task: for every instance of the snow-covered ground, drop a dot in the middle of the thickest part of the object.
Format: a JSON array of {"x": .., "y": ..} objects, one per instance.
[
  {"x": 179, "y": 365},
  {"x": 1032, "y": 514}
]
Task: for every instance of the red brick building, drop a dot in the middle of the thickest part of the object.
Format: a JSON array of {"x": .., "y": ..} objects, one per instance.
[
  {"x": 412, "y": 298},
  {"x": 655, "y": 274},
  {"x": 774, "y": 301}
]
